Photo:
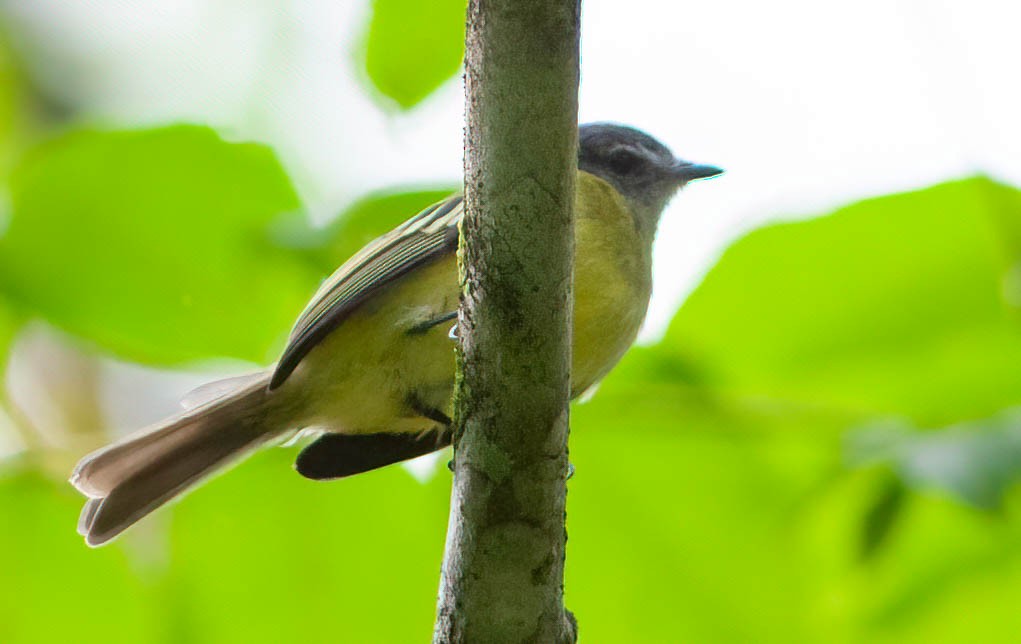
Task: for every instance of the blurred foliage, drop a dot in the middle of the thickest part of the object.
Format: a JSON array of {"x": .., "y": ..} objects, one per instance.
[
  {"x": 412, "y": 47},
  {"x": 8, "y": 329},
  {"x": 286, "y": 563},
  {"x": 21, "y": 107},
  {"x": 153, "y": 244},
  {"x": 895, "y": 305},
  {"x": 977, "y": 462}
]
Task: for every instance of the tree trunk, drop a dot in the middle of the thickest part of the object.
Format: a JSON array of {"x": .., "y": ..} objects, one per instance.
[{"x": 502, "y": 577}]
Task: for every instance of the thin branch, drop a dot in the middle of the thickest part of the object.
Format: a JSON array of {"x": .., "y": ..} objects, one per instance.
[{"x": 503, "y": 568}]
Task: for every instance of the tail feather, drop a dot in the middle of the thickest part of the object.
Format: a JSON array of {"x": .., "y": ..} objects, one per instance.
[
  {"x": 87, "y": 515},
  {"x": 98, "y": 473},
  {"x": 130, "y": 479}
]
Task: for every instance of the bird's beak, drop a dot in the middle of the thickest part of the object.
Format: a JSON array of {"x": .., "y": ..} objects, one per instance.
[{"x": 685, "y": 171}]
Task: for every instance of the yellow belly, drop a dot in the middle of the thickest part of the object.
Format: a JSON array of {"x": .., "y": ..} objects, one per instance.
[{"x": 361, "y": 377}]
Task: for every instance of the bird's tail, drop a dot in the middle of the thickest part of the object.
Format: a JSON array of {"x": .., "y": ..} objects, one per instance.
[{"x": 129, "y": 479}]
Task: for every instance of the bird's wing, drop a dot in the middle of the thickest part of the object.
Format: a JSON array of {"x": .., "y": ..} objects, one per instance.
[{"x": 425, "y": 237}]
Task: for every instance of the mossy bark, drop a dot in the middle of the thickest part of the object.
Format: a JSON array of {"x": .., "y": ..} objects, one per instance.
[{"x": 502, "y": 577}]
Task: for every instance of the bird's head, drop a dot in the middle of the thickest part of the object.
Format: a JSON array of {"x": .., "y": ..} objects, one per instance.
[{"x": 638, "y": 166}]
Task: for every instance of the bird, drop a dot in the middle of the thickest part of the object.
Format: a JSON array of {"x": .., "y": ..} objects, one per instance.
[{"x": 370, "y": 362}]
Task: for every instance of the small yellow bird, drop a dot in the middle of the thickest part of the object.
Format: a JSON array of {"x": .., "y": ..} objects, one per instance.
[{"x": 370, "y": 361}]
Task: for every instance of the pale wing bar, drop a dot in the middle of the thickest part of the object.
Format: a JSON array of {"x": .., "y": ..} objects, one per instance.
[{"x": 425, "y": 237}]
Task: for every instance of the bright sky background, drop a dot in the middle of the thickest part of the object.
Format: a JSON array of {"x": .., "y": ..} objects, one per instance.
[{"x": 807, "y": 104}]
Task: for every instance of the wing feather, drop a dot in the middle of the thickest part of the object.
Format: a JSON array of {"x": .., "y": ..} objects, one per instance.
[{"x": 427, "y": 236}]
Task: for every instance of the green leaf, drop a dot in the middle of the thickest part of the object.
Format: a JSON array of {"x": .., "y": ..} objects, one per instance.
[
  {"x": 679, "y": 517},
  {"x": 54, "y": 588},
  {"x": 9, "y": 325},
  {"x": 154, "y": 244},
  {"x": 897, "y": 305},
  {"x": 413, "y": 47},
  {"x": 22, "y": 109},
  {"x": 882, "y": 517},
  {"x": 709, "y": 523},
  {"x": 258, "y": 555},
  {"x": 299, "y": 560}
]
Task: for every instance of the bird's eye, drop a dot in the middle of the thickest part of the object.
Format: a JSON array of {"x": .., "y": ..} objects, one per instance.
[{"x": 624, "y": 160}]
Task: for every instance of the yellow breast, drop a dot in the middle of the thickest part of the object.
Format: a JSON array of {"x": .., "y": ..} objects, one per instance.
[{"x": 612, "y": 281}]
